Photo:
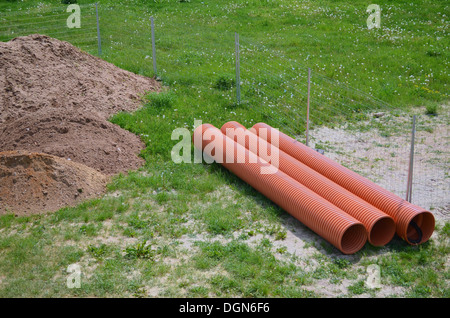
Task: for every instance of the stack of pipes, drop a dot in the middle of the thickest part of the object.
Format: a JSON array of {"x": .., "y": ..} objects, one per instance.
[{"x": 338, "y": 204}]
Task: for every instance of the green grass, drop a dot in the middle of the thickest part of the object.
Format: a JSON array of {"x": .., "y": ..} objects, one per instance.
[
  {"x": 250, "y": 272},
  {"x": 432, "y": 109},
  {"x": 211, "y": 234}
]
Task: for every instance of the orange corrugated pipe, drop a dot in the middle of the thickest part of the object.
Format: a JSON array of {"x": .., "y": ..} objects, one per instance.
[
  {"x": 413, "y": 223},
  {"x": 380, "y": 226},
  {"x": 331, "y": 223}
]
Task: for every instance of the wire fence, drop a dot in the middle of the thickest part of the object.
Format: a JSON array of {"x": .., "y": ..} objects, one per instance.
[
  {"x": 51, "y": 20},
  {"x": 353, "y": 127}
]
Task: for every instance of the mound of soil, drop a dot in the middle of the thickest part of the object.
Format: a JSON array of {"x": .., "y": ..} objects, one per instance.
[
  {"x": 38, "y": 72},
  {"x": 74, "y": 135},
  {"x": 56, "y": 146},
  {"x": 33, "y": 183}
]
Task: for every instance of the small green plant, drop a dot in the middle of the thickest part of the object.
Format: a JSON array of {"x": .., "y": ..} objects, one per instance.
[
  {"x": 433, "y": 53},
  {"x": 139, "y": 291},
  {"x": 129, "y": 232},
  {"x": 136, "y": 222},
  {"x": 224, "y": 82},
  {"x": 446, "y": 229},
  {"x": 431, "y": 109},
  {"x": 140, "y": 250},
  {"x": 88, "y": 229},
  {"x": 428, "y": 129},
  {"x": 162, "y": 197},
  {"x": 265, "y": 243},
  {"x": 321, "y": 146},
  {"x": 281, "y": 235},
  {"x": 161, "y": 100},
  {"x": 97, "y": 251},
  {"x": 341, "y": 263},
  {"x": 357, "y": 288}
]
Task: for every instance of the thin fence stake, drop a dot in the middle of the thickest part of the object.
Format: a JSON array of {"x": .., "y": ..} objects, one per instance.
[
  {"x": 238, "y": 75},
  {"x": 153, "y": 46},
  {"x": 411, "y": 163},
  {"x": 307, "y": 107},
  {"x": 98, "y": 31}
]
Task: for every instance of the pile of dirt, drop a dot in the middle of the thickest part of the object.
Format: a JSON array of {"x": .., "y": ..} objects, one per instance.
[
  {"x": 32, "y": 183},
  {"x": 57, "y": 147},
  {"x": 74, "y": 135},
  {"x": 38, "y": 72}
]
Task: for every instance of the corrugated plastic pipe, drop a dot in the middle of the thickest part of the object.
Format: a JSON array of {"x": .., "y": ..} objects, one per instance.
[
  {"x": 380, "y": 226},
  {"x": 413, "y": 223},
  {"x": 331, "y": 223}
]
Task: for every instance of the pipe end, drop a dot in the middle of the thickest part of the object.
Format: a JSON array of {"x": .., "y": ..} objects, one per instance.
[
  {"x": 420, "y": 228},
  {"x": 353, "y": 238},
  {"x": 414, "y": 224},
  {"x": 382, "y": 231}
]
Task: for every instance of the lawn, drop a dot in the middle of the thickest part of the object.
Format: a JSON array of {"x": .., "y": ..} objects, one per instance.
[{"x": 196, "y": 230}]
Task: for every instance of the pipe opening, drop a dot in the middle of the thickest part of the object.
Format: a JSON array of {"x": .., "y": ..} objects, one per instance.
[
  {"x": 382, "y": 231},
  {"x": 417, "y": 236},
  {"x": 353, "y": 239},
  {"x": 420, "y": 228}
]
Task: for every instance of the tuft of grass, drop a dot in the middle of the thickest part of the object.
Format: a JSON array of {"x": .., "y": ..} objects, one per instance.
[
  {"x": 139, "y": 250},
  {"x": 431, "y": 109},
  {"x": 445, "y": 231},
  {"x": 224, "y": 82},
  {"x": 6, "y": 220},
  {"x": 160, "y": 101},
  {"x": 221, "y": 220},
  {"x": 89, "y": 229},
  {"x": 97, "y": 251},
  {"x": 358, "y": 288}
]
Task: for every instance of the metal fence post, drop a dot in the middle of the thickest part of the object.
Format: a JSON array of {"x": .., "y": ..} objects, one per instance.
[
  {"x": 98, "y": 31},
  {"x": 411, "y": 162},
  {"x": 307, "y": 107},
  {"x": 238, "y": 75},
  {"x": 153, "y": 46}
]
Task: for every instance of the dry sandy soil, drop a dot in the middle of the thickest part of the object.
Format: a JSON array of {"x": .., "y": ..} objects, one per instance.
[
  {"x": 75, "y": 135},
  {"x": 38, "y": 72},
  {"x": 36, "y": 182},
  {"x": 56, "y": 100}
]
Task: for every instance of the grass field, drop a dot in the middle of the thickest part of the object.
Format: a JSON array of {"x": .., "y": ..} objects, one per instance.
[{"x": 196, "y": 230}]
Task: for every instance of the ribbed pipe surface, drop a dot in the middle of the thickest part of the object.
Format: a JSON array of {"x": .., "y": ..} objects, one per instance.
[
  {"x": 331, "y": 223},
  {"x": 380, "y": 226},
  {"x": 414, "y": 224}
]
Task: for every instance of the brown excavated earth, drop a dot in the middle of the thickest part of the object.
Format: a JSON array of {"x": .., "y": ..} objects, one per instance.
[
  {"x": 75, "y": 135},
  {"x": 38, "y": 72},
  {"x": 34, "y": 183},
  {"x": 57, "y": 147}
]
